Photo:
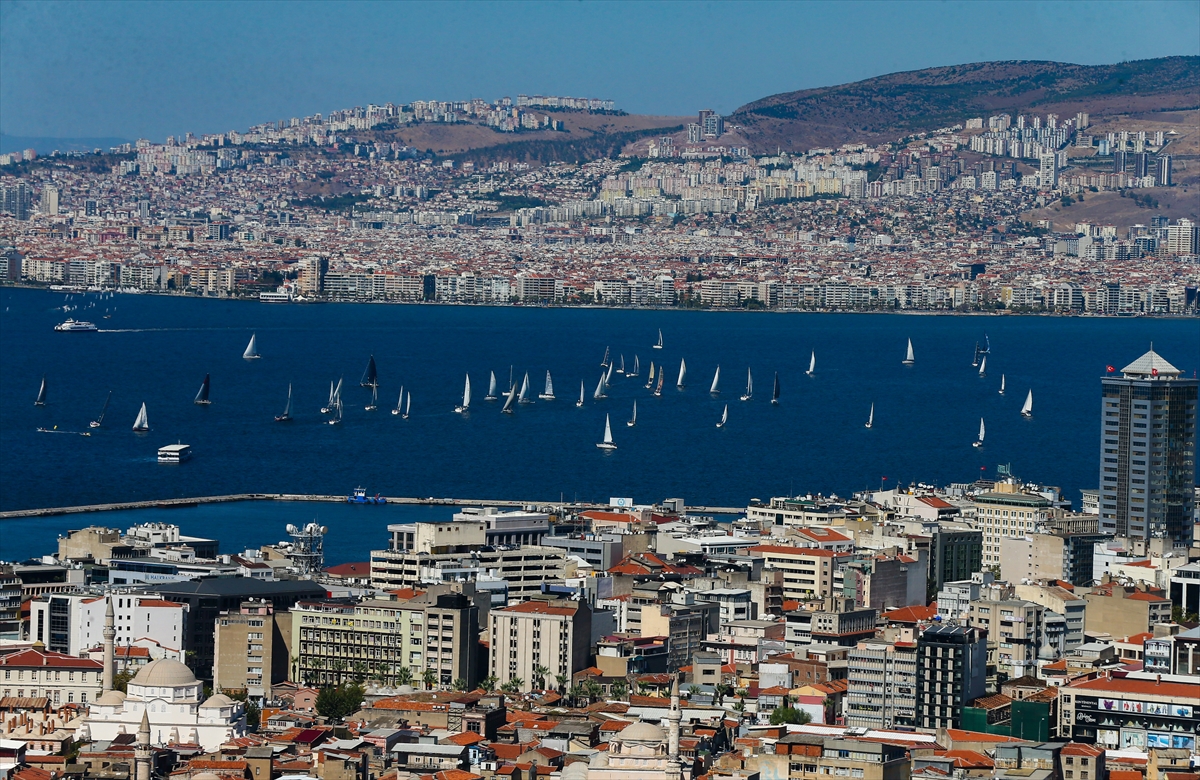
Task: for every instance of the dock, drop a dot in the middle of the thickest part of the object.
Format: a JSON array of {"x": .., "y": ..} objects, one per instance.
[{"x": 183, "y": 503}]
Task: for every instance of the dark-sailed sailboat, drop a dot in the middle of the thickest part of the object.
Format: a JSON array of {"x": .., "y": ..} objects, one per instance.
[
  {"x": 202, "y": 396},
  {"x": 370, "y": 377}
]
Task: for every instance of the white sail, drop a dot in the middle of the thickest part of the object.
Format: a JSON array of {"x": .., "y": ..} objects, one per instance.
[
  {"x": 724, "y": 417},
  {"x": 548, "y": 395},
  {"x": 407, "y": 404},
  {"x": 142, "y": 423},
  {"x": 252, "y": 348},
  {"x": 608, "y": 376},
  {"x": 633, "y": 420},
  {"x": 604, "y": 363},
  {"x": 523, "y": 396},
  {"x": 659, "y": 345},
  {"x": 908, "y": 358},
  {"x": 982, "y": 430},
  {"x": 749, "y": 386},
  {"x": 682, "y": 373},
  {"x": 871, "y": 416},
  {"x": 650, "y": 379},
  {"x": 337, "y": 393},
  {"x": 399, "y": 402},
  {"x": 607, "y": 444},
  {"x": 621, "y": 370},
  {"x": 374, "y": 399},
  {"x": 637, "y": 368},
  {"x": 581, "y": 392},
  {"x": 716, "y": 381},
  {"x": 466, "y": 402},
  {"x": 41, "y": 397},
  {"x": 812, "y": 364},
  {"x": 600, "y": 388},
  {"x": 491, "y": 395},
  {"x": 983, "y": 366},
  {"x": 508, "y": 402},
  {"x": 1002, "y": 384},
  {"x": 328, "y": 407},
  {"x": 1027, "y": 407}
]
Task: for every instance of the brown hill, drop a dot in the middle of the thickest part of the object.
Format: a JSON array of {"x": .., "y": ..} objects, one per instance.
[{"x": 889, "y": 107}]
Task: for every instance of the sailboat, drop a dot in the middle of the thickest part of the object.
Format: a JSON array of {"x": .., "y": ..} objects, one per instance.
[
  {"x": 202, "y": 396},
  {"x": 287, "y": 410},
  {"x": 491, "y": 395},
  {"x": 604, "y": 363},
  {"x": 637, "y": 370},
  {"x": 724, "y": 417},
  {"x": 679, "y": 383},
  {"x": 335, "y": 396},
  {"x": 1027, "y": 407},
  {"x": 607, "y": 444},
  {"x": 337, "y": 411},
  {"x": 621, "y": 370},
  {"x": 251, "y": 352},
  {"x": 658, "y": 389},
  {"x": 510, "y": 381},
  {"x": 600, "y": 389},
  {"x": 608, "y": 376},
  {"x": 523, "y": 396},
  {"x": 370, "y": 377},
  {"x": 659, "y": 344},
  {"x": 775, "y": 391},
  {"x": 374, "y": 399},
  {"x": 328, "y": 407},
  {"x": 749, "y": 386},
  {"x": 96, "y": 422},
  {"x": 399, "y": 402},
  {"x": 982, "y": 431},
  {"x": 983, "y": 367},
  {"x": 812, "y": 364},
  {"x": 1002, "y": 384},
  {"x": 407, "y": 405},
  {"x": 633, "y": 420},
  {"x": 142, "y": 423},
  {"x": 548, "y": 395},
  {"x": 871, "y": 417},
  {"x": 713, "y": 389},
  {"x": 650, "y": 379},
  {"x": 508, "y": 402},
  {"x": 41, "y": 399},
  {"x": 909, "y": 359},
  {"x": 466, "y": 402},
  {"x": 579, "y": 403}
]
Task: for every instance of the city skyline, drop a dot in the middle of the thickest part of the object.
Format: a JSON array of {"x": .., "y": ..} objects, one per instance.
[{"x": 110, "y": 65}]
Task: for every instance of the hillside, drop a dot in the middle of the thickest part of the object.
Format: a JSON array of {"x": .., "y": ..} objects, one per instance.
[{"x": 892, "y": 106}]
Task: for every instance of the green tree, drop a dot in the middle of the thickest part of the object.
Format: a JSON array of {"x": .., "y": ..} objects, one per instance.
[
  {"x": 575, "y": 694},
  {"x": 336, "y": 703},
  {"x": 489, "y": 683},
  {"x": 592, "y": 690},
  {"x": 513, "y": 686},
  {"x": 620, "y": 688},
  {"x": 430, "y": 678},
  {"x": 787, "y": 714},
  {"x": 692, "y": 690},
  {"x": 121, "y": 680},
  {"x": 253, "y": 716},
  {"x": 459, "y": 684},
  {"x": 540, "y": 673},
  {"x": 404, "y": 676},
  {"x": 562, "y": 682}
]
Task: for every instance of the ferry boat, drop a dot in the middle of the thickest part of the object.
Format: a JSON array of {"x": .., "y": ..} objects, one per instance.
[
  {"x": 174, "y": 453},
  {"x": 75, "y": 326},
  {"x": 360, "y": 497}
]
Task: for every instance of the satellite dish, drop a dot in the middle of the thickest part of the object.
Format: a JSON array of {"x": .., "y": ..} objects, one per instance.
[
  {"x": 291, "y": 529},
  {"x": 324, "y": 530}
]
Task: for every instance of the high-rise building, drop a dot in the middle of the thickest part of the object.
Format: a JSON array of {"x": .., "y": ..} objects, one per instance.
[
  {"x": 1118, "y": 161},
  {"x": 1183, "y": 238},
  {"x": 1141, "y": 164},
  {"x": 49, "y": 204},
  {"x": 1148, "y": 452},
  {"x": 953, "y": 556},
  {"x": 951, "y": 673},
  {"x": 1048, "y": 172},
  {"x": 547, "y": 633},
  {"x": 252, "y": 649},
  {"x": 882, "y": 679},
  {"x": 1164, "y": 171}
]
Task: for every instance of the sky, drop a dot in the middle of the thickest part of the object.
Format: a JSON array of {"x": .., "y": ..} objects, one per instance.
[{"x": 148, "y": 70}]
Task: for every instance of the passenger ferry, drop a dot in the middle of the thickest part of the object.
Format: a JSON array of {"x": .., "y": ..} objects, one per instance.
[
  {"x": 174, "y": 453},
  {"x": 75, "y": 326}
]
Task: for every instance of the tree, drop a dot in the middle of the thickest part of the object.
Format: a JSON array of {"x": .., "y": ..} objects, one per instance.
[
  {"x": 121, "y": 680},
  {"x": 620, "y": 688},
  {"x": 562, "y": 682},
  {"x": 513, "y": 686},
  {"x": 489, "y": 683},
  {"x": 430, "y": 678},
  {"x": 404, "y": 676},
  {"x": 540, "y": 673},
  {"x": 592, "y": 690},
  {"x": 692, "y": 690},
  {"x": 787, "y": 714},
  {"x": 722, "y": 690},
  {"x": 459, "y": 684},
  {"x": 575, "y": 694},
  {"x": 337, "y": 703},
  {"x": 253, "y": 716}
]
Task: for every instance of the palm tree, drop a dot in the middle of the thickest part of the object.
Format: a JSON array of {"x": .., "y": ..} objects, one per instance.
[
  {"x": 619, "y": 689},
  {"x": 489, "y": 683},
  {"x": 593, "y": 690},
  {"x": 430, "y": 678},
  {"x": 459, "y": 684},
  {"x": 643, "y": 688},
  {"x": 722, "y": 690},
  {"x": 575, "y": 693},
  {"x": 692, "y": 690},
  {"x": 404, "y": 676},
  {"x": 564, "y": 679},
  {"x": 513, "y": 686},
  {"x": 540, "y": 673}
]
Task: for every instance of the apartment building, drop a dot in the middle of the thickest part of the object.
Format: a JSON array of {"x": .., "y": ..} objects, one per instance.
[
  {"x": 1006, "y": 512},
  {"x": 252, "y": 649},
  {"x": 951, "y": 672},
  {"x": 1123, "y": 611},
  {"x": 1014, "y": 629},
  {"x": 1051, "y": 556},
  {"x": 882, "y": 691},
  {"x": 550, "y": 633},
  {"x": 814, "y": 757},
  {"x": 73, "y": 623},
  {"x": 807, "y": 572}
]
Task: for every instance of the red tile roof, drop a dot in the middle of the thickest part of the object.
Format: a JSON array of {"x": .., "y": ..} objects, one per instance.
[
  {"x": 539, "y": 608},
  {"x": 355, "y": 569},
  {"x": 1174, "y": 690},
  {"x": 911, "y": 614},
  {"x": 49, "y": 659}
]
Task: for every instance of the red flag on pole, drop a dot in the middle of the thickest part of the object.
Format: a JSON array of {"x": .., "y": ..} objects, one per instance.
[{"x": 1110, "y": 369}]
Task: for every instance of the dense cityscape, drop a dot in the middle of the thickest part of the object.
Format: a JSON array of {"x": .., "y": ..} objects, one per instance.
[
  {"x": 971, "y": 217},
  {"x": 977, "y": 629}
]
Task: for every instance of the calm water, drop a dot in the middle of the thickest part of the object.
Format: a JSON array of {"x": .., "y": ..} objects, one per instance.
[{"x": 926, "y": 416}]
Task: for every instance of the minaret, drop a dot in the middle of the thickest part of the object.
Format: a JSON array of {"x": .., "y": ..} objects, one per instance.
[
  {"x": 110, "y": 636},
  {"x": 141, "y": 750},
  {"x": 674, "y": 765}
]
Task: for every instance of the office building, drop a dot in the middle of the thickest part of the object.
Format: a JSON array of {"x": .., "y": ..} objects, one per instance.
[
  {"x": 1006, "y": 512},
  {"x": 1148, "y": 452},
  {"x": 1163, "y": 178},
  {"x": 953, "y": 556},
  {"x": 63, "y": 679},
  {"x": 882, "y": 678},
  {"x": 253, "y": 649},
  {"x": 951, "y": 672},
  {"x": 1049, "y": 556},
  {"x": 1014, "y": 627},
  {"x": 550, "y": 633}
]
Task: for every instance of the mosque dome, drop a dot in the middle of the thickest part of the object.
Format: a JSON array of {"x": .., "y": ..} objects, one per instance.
[
  {"x": 1047, "y": 652},
  {"x": 216, "y": 701},
  {"x": 643, "y": 732},
  {"x": 113, "y": 698},
  {"x": 165, "y": 673}
]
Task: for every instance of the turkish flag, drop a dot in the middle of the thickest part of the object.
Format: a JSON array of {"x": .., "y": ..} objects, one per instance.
[
  {"x": 1110, "y": 369},
  {"x": 1154, "y": 372}
]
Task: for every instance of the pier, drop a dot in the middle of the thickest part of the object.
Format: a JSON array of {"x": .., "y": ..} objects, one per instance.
[{"x": 183, "y": 503}]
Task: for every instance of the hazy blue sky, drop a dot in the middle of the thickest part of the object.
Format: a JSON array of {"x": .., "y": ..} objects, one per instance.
[{"x": 153, "y": 69}]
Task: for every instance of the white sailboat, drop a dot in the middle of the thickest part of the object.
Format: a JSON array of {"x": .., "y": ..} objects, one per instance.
[
  {"x": 510, "y": 400},
  {"x": 983, "y": 367},
  {"x": 337, "y": 412},
  {"x": 775, "y": 390},
  {"x": 407, "y": 405},
  {"x": 659, "y": 344},
  {"x": 749, "y": 386},
  {"x": 335, "y": 398},
  {"x": 510, "y": 381},
  {"x": 621, "y": 370},
  {"x": 982, "y": 431},
  {"x": 650, "y": 379},
  {"x": 579, "y": 403},
  {"x": 604, "y": 363},
  {"x": 374, "y": 399},
  {"x": 328, "y": 407},
  {"x": 812, "y": 364},
  {"x": 41, "y": 397},
  {"x": 142, "y": 423},
  {"x": 1002, "y": 384},
  {"x": 908, "y": 358},
  {"x": 607, "y": 444},
  {"x": 96, "y": 422},
  {"x": 637, "y": 368},
  {"x": 548, "y": 395},
  {"x": 491, "y": 394},
  {"x": 724, "y": 417},
  {"x": 251, "y": 352},
  {"x": 600, "y": 388},
  {"x": 871, "y": 416},
  {"x": 466, "y": 402},
  {"x": 716, "y": 380},
  {"x": 399, "y": 402},
  {"x": 287, "y": 410},
  {"x": 679, "y": 383},
  {"x": 523, "y": 396},
  {"x": 1027, "y": 407},
  {"x": 633, "y": 420},
  {"x": 608, "y": 376}
]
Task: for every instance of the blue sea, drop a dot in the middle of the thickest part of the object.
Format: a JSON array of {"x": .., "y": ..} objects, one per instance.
[{"x": 157, "y": 349}]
